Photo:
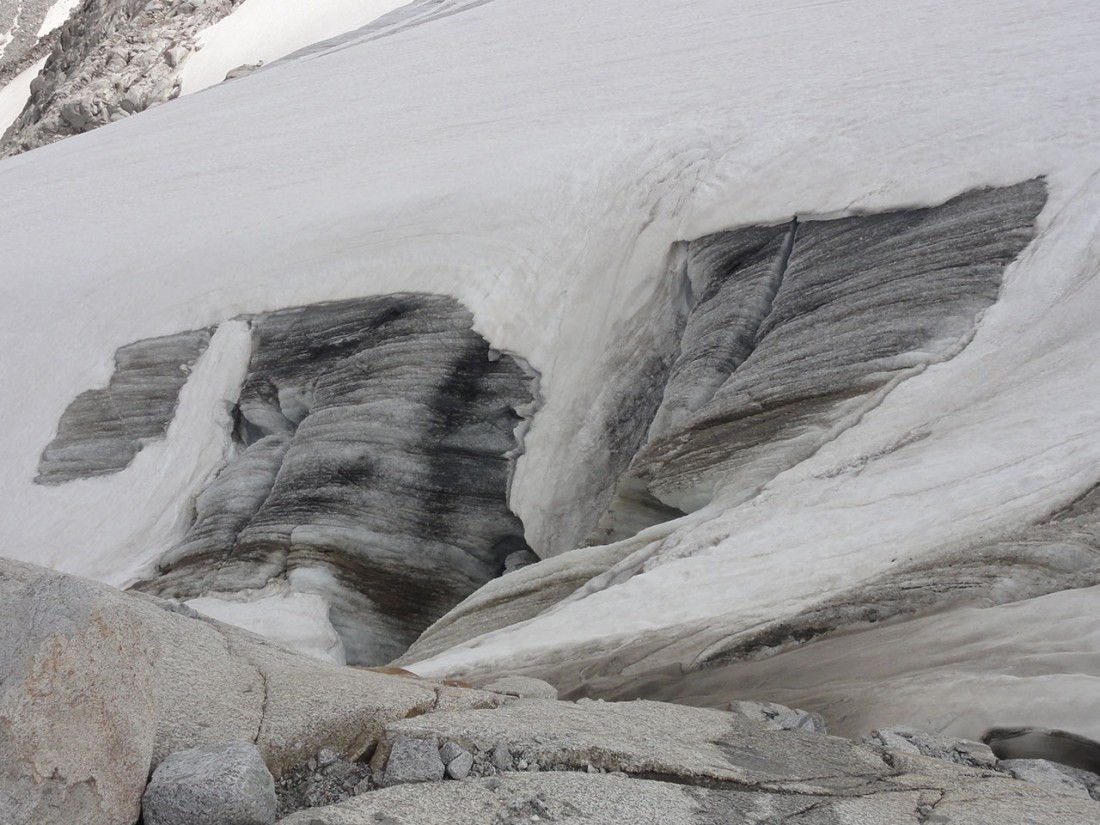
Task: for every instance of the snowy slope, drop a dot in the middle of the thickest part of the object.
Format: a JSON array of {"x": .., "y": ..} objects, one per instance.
[
  {"x": 14, "y": 96},
  {"x": 260, "y": 31},
  {"x": 537, "y": 161}
]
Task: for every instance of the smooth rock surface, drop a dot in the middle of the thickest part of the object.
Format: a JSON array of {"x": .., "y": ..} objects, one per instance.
[
  {"x": 78, "y": 702},
  {"x": 1053, "y": 777},
  {"x": 597, "y": 798},
  {"x": 523, "y": 687},
  {"x": 644, "y": 738},
  {"x": 226, "y": 784},
  {"x": 680, "y": 772}
]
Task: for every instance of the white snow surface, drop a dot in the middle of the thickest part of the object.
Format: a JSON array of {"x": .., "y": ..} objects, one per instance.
[
  {"x": 265, "y": 30},
  {"x": 296, "y": 620},
  {"x": 57, "y": 14},
  {"x": 536, "y": 160},
  {"x": 15, "y": 94}
]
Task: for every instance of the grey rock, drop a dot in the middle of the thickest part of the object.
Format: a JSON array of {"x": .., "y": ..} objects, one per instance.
[
  {"x": 78, "y": 702},
  {"x": 110, "y": 59},
  {"x": 102, "y": 430},
  {"x": 459, "y": 767},
  {"x": 243, "y": 70},
  {"x": 1053, "y": 777},
  {"x": 501, "y": 757},
  {"x": 524, "y": 687},
  {"x": 21, "y": 21},
  {"x": 779, "y": 715},
  {"x": 647, "y": 738},
  {"x": 180, "y": 608},
  {"x": 450, "y": 751},
  {"x": 854, "y": 786},
  {"x": 98, "y": 686},
  {"x": 175, "y": 55},
  {"x": 413, "y": 760},
  {"x": 523, "y": 798},
  {"x": 226, "y": 784},
  {"x": 961, "y": 751},
  {"x": 304, "y": 787},
  {"x": 406, "y": 382}
]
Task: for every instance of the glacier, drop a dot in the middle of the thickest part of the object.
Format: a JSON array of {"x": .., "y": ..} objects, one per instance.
[{"x": 548, "y": 166}]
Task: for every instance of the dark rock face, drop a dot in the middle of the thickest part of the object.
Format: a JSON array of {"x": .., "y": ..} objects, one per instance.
[
  {"x": 376, "y": 443},
  {"x": 102, "y": 430},
  {"x": 797, "y": 330}
]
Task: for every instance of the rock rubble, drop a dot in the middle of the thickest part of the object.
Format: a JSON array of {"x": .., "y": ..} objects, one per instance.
[
  {"x": 165, "y": 691},
  {"x": 111, "y": 59}
]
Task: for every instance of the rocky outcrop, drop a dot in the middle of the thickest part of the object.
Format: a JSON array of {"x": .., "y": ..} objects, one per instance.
[
  {"x": 778, "y": 716},
  {"x": 102, "y": 687},
  {"x": 20, "y": 45},
  {"x": 112, "y": 58},
  {"x": 652, "y": 763},
  {"x": 911, "y": 740},
  {"x": 99, "y": 686}
]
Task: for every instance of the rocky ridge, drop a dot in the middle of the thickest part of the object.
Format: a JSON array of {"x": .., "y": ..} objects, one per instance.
[
  {"x": 164, "y": 687},
  {"x": 111, "y": 59}
]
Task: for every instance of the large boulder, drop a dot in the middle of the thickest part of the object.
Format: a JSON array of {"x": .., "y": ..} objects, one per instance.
[
  {"x": 226, "y": 784},
  {"x": 98, "y": 686}
]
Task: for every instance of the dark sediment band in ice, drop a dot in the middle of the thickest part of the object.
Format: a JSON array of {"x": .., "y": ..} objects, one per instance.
[
  {"x": 797, "y": 327},
  {"x": 376, "y": 439},
  {"x": 102, "y": 430}
]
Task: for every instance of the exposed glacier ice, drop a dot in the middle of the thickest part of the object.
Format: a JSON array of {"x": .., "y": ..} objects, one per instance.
[{"x": 538, "y": 161}]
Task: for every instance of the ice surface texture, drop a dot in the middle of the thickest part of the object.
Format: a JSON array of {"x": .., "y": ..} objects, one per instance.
[
  {"x": 102, "y": 430},
  {"x": 376, "y": 439},
  {"x": 795, "y": 330}
]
